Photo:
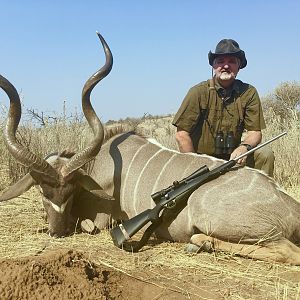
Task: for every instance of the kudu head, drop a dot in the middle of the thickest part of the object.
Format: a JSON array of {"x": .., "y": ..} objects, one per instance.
[{"x": 59, "y": 177}]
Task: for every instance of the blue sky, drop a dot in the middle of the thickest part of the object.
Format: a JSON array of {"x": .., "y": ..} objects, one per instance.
[{"x": 49, "y": 49}]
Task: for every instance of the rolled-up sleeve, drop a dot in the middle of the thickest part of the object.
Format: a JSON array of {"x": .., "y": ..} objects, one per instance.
[{"x": 254, "y": 119}]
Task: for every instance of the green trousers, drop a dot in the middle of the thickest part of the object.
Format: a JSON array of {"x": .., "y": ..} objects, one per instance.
[{"x": 262, "y": 159}]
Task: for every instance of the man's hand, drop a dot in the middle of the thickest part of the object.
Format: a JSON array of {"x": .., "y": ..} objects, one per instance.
[
  {"x": 239, "y": 151},
  {"x": 252, "y": 138}
]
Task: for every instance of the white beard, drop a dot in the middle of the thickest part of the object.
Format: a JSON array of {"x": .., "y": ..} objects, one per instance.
[{"x": 226, "y": 76}]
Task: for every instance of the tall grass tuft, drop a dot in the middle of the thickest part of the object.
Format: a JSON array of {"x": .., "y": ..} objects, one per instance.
[
  {"x": 286, "y": 149},
  {"x": 282, "y": 113},
  {"x": 63, "y": 133}
]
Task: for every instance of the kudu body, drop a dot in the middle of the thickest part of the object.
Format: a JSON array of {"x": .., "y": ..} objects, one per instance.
[{"x": 242, "y": 211}]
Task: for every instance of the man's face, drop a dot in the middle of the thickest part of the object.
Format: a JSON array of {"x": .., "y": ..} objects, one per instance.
[{"x": 226, "y": 67}]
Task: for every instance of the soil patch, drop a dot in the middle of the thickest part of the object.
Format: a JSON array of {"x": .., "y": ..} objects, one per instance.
[{"x": 69, "y": 275}]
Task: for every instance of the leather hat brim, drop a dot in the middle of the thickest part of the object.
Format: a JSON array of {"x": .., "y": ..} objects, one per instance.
[{"x": 240, "y": 54}]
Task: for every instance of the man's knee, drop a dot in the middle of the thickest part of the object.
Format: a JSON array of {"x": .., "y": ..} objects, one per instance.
[{"x": 264, "y": 160}]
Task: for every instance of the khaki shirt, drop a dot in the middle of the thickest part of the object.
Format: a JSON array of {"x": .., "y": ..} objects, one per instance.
[{"x": 207, "y": 109}]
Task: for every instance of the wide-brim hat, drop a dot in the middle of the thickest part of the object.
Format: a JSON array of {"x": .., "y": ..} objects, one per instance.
[{"x": 228, "y": 47}]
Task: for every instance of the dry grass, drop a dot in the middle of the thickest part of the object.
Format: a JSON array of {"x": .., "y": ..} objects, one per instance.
[
  {"x": 165, "y": 265},
  {"x": 287, "y": 152},
  {"x": 74, "y": 135}
]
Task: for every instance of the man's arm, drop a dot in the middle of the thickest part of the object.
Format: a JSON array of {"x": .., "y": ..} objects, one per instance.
[
  {"x": 252, "y": 138},
  {"x": 184, "y": 141}
]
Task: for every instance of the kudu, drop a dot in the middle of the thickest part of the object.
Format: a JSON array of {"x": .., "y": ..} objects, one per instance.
[{"x": 242, "y": 211}]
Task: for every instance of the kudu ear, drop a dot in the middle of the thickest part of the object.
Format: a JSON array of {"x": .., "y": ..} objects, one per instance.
[
  {"x": 20, "y": 187},
  {"x": 90, "y": 185},
  {"x": 86, "y": 181}
]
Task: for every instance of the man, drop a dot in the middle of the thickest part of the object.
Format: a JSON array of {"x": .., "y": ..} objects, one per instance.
[{"x": 216, "y": 113}]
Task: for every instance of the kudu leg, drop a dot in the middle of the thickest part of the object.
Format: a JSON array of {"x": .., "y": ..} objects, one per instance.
[{"x": 282, "y": 250}]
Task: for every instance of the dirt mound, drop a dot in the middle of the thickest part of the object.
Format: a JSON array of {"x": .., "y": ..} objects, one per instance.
[{"x": 67, "y": 275}]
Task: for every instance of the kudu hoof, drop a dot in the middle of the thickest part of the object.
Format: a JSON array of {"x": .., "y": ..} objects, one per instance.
[
  {"x": 205, "y": 247},
  {"x": 192, "y": 248}
]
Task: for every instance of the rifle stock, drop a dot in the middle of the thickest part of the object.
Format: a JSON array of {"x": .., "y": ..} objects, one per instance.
[{"x": 128, "y": 228}]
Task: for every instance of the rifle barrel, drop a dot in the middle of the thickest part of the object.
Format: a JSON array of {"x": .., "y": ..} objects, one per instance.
[{"x": 259, "y": 146}]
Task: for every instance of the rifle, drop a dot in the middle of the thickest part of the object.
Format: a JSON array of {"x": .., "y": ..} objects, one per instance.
[{"x": 168, "y": 198}]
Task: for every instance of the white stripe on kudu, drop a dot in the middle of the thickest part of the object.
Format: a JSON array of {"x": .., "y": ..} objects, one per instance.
[
  {"x": 127, "y": 174},
  {"x": 155, "y": 186},
  {"x": 135, "y": 198}
]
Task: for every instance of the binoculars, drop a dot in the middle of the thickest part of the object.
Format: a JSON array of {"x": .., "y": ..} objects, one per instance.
[{"x": 224, "y": 144}]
